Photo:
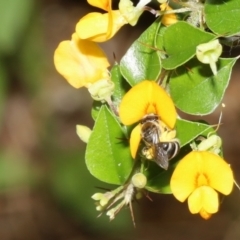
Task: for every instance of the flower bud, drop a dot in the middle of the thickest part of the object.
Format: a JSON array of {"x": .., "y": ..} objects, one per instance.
[
  {"x": 131, "y": 13},
  {"x": 111, "y": 213},
  {"x": 103, "y": 198},
  {"x": 139, "y": 195},
  {"x": 101, "y": 89},
  {"x": 97, "y": 196},
  {"x": 99, "y": 208},
  {"x": 139, "y": 180},
  {"x": 209, "y": 53},
  {"x": 83, "y": 132},
  {"x": 212, "y": 144},
  {"x": 170, "y": 18}
]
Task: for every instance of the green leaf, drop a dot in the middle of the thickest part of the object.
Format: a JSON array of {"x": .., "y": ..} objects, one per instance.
[
  {"x": 141, "y": 61},
  {"x": 158, "y": 179},
  {"x": 223, "y": 17},
  {"x": 107, "y": 155},
  {"x": 179, "y": 42},
  {"x": 197, "y": 91},
  {"x": 121, "y": 86},
  {"x": 159, "y": 40},
  {"x": 96, "y": 106},
  {"x": 187, "y": 131}
]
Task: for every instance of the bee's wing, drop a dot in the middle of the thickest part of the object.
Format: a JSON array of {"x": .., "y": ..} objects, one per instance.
[{"x": 160, "y": 155}]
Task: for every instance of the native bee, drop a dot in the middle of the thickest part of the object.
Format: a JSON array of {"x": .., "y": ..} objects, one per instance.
[{"x": 161, "y": 151}]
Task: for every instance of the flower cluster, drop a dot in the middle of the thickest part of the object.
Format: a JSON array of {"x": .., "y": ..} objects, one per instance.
[
  {"x": 81, "y": 61},
  {"x": 113, "y": 201},
  {"x": 201, "y": 173},
  {"x": 145, "y": 125}
]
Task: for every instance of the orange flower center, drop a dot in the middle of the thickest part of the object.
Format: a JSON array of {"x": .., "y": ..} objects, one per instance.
[
  {"x": 205, "y": 214},
  {"x": 202, "y": 180},
  {"x": 151, "y": 108}
]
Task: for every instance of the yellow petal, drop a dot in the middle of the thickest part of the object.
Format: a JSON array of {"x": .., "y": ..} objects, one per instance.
[
  {"x": 144, "y": 98},
  {"x": 164, "y": 105},
  {"x": 135, "y": 139},
  {"x": 81, "y": 62},
  {"x": 103, "y": 4},
  {"x": 83, "y": 132},
  {"x": 203, "y": 199},
  {"x": 182, "y": 182},
  {"x": 220, "y": 175},
  {"x": 168, "y": 19},
  {"x": 95, "y": 26},
  {"x": 195, "y": 201}
]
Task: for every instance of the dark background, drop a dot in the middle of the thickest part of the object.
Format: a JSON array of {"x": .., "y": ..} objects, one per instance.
[{"x": 45, "y": 187}]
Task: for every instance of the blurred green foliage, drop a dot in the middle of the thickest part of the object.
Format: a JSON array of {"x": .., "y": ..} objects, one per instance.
[
  {"x": 23, "y": 67},
  {"x": 14, "y": 172},
  {"x": 3, "y": 88},
  {"x": 73, "y": 185},
  {"x": 14, "y": 17}
]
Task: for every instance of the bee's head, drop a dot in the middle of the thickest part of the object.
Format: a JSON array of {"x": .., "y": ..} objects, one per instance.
[{"x": 152, "y": 117}]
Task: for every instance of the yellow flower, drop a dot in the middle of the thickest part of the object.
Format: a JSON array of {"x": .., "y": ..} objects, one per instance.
[
  {"x": 168, "y": 19},
  {"x": 198, "y": 177},
  {"x": 81, "y": 62},
  {"x": 145, "y": 98},
  {"x": 100, "y": 27}
]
